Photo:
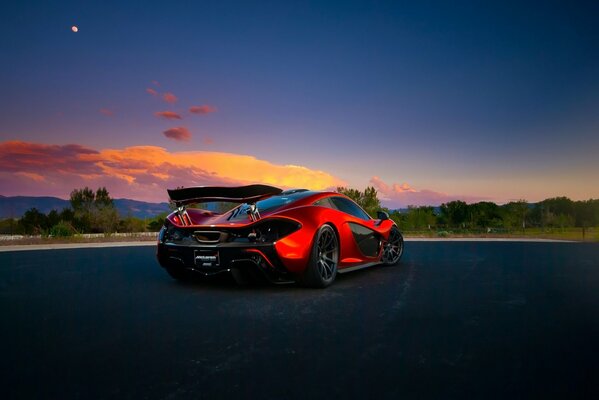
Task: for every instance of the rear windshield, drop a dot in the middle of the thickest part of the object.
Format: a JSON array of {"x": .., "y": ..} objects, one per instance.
[{"x": 268, "y": 205}]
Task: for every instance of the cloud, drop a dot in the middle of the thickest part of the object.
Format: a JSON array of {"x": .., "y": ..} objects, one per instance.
[
  {"x": 139, "y": 172},
  {"x": 202, "y": 110},
  {"x": 402, "y": 195},
  {"x": 155, "y": 83},
  {"x": 36, "y": 158},
  {"x": 169, "y": 98},
  {"x": 207, "y": 140},
  {"x": 152, "y": 91},
  {"x": 179, "y": 133},
  {"x": 167, "y": 114},
  {"x": 31, "y": 175},
  {"x": 107, "y": 112}
]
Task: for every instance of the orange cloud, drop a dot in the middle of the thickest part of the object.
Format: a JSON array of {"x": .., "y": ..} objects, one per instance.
[
  {"x": 167, "y": 114},
  {"x": 140, "y": 172},
  {"x": 152, "y": 92},
  {"x": 170, "y": 98},
  {"x": 202, "y": 110},
  {"x": 107, "y": 112},
  {"x": 402, "y": 195},
  {"x": 31, "y": 175},
  {"x": 179, "y": 133}
]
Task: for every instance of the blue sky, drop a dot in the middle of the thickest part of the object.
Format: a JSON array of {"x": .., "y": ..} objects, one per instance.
[{"x": 479, "y": 100}]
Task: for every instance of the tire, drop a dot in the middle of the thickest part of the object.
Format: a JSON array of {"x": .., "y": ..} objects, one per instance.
[
  {"x": 178, "y": 273},
  {"x": 324, "y": 258},
  {"x": 393, "y": 248}
]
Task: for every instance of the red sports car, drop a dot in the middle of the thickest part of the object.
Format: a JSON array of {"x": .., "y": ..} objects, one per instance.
[{"x": 294, "y": 235}]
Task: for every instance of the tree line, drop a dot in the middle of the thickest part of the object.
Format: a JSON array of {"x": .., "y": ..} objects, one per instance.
[
  {"x": 89, "y": 212},
  {"x": 557, "y": 212},
  {"x": 94, "y": 212}
]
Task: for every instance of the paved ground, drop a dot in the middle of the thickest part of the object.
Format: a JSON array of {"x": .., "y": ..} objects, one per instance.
[
  {"x": 454, "y": 320},
  {"x": 6, "y": 246}
]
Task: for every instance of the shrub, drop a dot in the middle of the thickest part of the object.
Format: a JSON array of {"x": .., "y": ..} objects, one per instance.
[{"x": 62, "y": 229}]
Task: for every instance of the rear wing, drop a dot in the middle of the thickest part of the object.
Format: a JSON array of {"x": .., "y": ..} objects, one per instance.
[{"x": 238, "y": 194}]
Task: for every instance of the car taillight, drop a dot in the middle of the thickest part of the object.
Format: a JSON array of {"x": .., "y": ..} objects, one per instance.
[
  {"x": 171, "y": 233},
  {"x": 273, "y": 230}
]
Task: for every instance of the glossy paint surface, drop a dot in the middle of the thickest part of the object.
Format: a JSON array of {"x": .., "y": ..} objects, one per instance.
[{"x": 294, "y": 249}]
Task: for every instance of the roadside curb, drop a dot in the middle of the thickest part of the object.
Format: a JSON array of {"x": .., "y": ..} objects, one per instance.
[{"x": 67, "y": 246}]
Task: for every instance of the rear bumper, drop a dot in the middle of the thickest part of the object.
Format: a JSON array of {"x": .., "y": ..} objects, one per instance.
[{"x": 221, "y": 258}]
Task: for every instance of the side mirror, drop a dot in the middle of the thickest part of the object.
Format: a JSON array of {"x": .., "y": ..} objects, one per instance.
[{"x": 382, "y": 215}]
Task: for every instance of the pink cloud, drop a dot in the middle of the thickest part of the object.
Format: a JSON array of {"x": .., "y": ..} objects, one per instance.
[
  {"x": 170, "y": 98},
  {"x": 207, "y": 140},
  {"x": 180, "y": 133},
  {"x": 152, "y": 91},
  {"x": 202, "y": 110},
  {"x": 167, "y": 114},
  {"x": 139, "y": 172},
  {"x": 16, "y": 156},
  {"x": 107, "y": 112},
  {"x": 402, "y": 195}
]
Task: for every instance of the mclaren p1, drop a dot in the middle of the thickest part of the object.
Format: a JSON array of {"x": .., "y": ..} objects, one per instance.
[{"x": 286, "y": 236}]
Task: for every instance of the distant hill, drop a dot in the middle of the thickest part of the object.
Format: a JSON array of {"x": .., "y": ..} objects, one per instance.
[
  {"x": 15, "y": 206},
  {"x": 139, "y": 209}
]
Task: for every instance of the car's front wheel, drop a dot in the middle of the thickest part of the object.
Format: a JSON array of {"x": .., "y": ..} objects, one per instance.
[
  {"x": 324, "y": 257},
  {"x": 393, "y": 248}
]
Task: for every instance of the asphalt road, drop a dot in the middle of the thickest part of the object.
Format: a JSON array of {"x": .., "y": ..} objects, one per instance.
[{"x": 453, "y": 320}]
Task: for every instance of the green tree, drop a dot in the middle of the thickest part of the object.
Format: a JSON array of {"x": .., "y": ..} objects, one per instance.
[
  {"x": 105, "y": 216},
  {"x": 586, "y": 213},
  {"x": 353, "y": 194},
  {"x": 418, "y": 218},
  {"x": 53, "y": 218},
  {"x": 132, "y": 224},
  {"x": 515, "y": 214},
  {"x": 484, "y": 215},
  {"x": 368, "y": 199},
  {"x": 34, "y": 222},
  {"x": 555, "y": 212},
  {"x": 455, "y": 213},
  {"x": 11, "y": 226},
  {"x": 67, "y": 215},
  {"x": 156, "y": 223},
  {"x": 94, "y": 212}
]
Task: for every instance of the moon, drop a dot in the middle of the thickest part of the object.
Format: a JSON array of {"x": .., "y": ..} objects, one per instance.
[{"x": 74, "y": 28}]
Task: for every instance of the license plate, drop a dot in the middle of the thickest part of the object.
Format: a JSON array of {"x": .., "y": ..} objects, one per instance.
[{"x": 206, "y": 258}]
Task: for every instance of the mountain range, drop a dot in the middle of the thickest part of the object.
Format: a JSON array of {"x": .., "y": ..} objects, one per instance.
[{"x": 15, "y": 206}]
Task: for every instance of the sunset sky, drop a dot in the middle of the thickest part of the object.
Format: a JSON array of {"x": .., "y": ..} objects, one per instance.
[{"x": 426, "y": 101}]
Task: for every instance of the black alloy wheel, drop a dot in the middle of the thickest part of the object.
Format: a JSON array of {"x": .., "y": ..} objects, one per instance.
[
  {"x": 322, "y": 268},
  {"x": 393, "y": 247}
]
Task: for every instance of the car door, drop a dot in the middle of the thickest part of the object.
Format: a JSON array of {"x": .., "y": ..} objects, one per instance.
[{"x": 366, "y": 239}]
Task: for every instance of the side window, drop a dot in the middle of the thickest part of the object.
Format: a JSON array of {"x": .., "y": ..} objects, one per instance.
[
  {"x": 325, "y": 202},
  {"x": 349, "y": 207}
]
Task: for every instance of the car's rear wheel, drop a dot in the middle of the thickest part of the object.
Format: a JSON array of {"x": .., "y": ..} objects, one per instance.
[
  {"x": 324, "y": 257},
  {"x": 393, "y": 248}
]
